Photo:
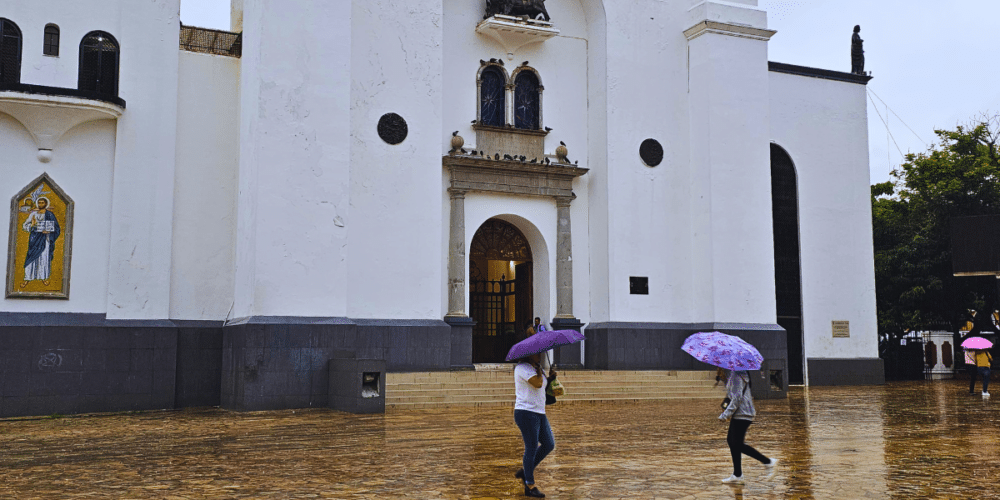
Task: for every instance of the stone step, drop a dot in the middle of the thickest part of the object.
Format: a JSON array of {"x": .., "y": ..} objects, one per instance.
[
  {"x": 462, "y": 398},
  {"x": 562, "y": 401},
  {"x": 461, "y": 376},
  {"x": 577, "y": 384}
]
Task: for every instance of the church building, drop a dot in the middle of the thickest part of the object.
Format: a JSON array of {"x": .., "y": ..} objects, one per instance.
[{"x": 207, "y": 218}]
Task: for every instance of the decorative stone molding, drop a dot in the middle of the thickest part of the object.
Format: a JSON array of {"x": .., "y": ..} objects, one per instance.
[
  {"x": 470, "y": 173},
  {"x": 515, "y": 32},
  {"x": 736, "y": 30},
  {"x": 47, "y": 117}
]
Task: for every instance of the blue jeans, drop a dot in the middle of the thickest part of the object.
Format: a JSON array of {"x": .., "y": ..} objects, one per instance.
[
  {"x": 538, "y": 440},
  {"x": 984, "y": 373}
]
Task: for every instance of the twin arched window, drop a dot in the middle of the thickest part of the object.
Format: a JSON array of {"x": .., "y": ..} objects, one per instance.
[
  {"x": 524, "y": 96},
  {"x": 10, "y": 52},
  {"x": 99, "y": 63}
]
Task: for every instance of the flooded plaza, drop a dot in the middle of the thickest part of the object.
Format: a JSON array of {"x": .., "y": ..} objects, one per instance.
[{"x": 901, "y": 440}]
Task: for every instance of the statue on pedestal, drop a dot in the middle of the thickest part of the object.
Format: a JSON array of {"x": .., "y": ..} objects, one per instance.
[
  {"x": 857, "y": 53},
  {"x": 530, "y": 8}
]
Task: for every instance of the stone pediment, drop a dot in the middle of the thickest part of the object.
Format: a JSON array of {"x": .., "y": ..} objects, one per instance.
[{"x": 474, "y": 173}]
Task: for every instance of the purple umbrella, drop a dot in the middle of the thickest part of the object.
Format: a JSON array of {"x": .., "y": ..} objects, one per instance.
[
  {"x": 977, "y": 343},
  {"x": 543, "y": 341},
  {"x": 724, "y": 351}
]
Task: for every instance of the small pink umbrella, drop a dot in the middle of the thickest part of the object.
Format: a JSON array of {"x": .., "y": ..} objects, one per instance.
[{"x": 977, "y": 343}]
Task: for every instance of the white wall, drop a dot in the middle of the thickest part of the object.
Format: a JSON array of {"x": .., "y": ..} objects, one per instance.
[
  {"x": 394, "y": 262},
  {"x": 562, "y": 63},
  {"x": 143, "y": 192},
  {"x": 82, "y": 166},
  {"x": 295, "y": 142},
  {"x": 647, "y": 209},
  {"x": 823, "y": 126},
  {"x": 201, "y": 279}
]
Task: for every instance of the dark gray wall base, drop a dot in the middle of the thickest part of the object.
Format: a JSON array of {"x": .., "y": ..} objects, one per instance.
[
  {"x": 461, "y": 342},
  {"x": 657, "y": 346},
  {"x": 568, "y": 357},
  {"x": 834, "y": 371},
  {"x": 81, "y": 363},
  {"x": 273, "y": 363},
  {"x": 199, "y": 363}
]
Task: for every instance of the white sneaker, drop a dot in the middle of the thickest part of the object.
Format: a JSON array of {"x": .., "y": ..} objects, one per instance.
[
  {"x": 734, "y": 479},
  {"x": 774, "y": 461},
  {"x": 986, "y": 394}
]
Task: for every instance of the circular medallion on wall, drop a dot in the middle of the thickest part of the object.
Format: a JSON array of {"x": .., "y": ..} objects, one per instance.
[
  {"x": 651, "y": 152},
  {"x": 392, "y": 128}
]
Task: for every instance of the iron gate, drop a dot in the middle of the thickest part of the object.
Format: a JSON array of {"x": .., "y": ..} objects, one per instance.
[{"x": 491, "y": 303}]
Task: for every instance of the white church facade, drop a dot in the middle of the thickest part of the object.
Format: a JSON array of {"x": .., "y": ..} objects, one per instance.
[{"x": 205, "y": 218}]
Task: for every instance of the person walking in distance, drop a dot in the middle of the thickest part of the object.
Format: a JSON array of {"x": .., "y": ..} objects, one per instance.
[
  {"x": 529, "y": 415},
  {"x": 742, "y": 411},
  {"x": 983, "y": 361}
]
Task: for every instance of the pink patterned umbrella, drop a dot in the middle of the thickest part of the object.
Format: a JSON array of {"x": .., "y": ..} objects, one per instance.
[
  {"x": 724, "y": 351},
  {"x": 977, "y": 343}
]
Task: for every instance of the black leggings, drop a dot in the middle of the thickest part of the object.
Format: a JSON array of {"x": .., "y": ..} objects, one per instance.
[{"x": 737, "y": 434}]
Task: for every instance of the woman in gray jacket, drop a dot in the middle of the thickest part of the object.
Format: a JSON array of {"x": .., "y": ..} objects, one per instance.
[{"x": 741, "y": 410}]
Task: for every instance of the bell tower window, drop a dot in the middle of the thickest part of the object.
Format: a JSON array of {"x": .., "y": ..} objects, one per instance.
[
  {"x": 99, "y": 63},
  {"x": 10, "y": 52},
  {"x": 51, "y": 45}
]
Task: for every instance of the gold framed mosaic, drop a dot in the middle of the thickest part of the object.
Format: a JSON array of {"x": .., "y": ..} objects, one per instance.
[{"x": 40, "y": 243}]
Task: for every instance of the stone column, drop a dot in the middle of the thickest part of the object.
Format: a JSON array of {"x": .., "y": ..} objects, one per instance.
[
  {"x": 566, "y": 356},
  {"x": 456, "y": 255},
  {"x": 564, "y": 259},
  {"x": 461, "y": 323}
]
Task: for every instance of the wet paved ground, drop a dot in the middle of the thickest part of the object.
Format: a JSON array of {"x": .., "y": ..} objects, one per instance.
[{"x": 903, "y": 440}]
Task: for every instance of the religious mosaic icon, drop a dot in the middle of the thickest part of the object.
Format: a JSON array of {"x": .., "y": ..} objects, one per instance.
[{"x": 39, "y": 249}]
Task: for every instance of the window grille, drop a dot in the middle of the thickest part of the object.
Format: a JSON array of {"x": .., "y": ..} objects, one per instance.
[
  {"x": 10, "y": 52},
  {"x": 526, "y": 101},
  {"x": 51, "y": 45},
  {"x": 99, "y": 63},
  {"x": 209, "y": 41},
  {"x": 492, "y": 99}
]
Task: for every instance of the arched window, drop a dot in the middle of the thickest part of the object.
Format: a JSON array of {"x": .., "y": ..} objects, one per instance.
[
  {"x": 787, "y": 268},
  {"x": 492, "y": 96},
  {"x": 527, "y": 101},
  {"x": 10, "y": 52},
  {"x": 51, "y": 44},
  {"x": 99, "y": 63}
]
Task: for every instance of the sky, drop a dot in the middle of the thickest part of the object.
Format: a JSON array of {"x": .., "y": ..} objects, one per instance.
[{"x": 934, "y": 63}]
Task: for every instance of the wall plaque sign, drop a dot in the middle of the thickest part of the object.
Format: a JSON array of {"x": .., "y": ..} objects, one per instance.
[
  {"x": 41, "y": 233},
  {"x": 841, "y": 329}
]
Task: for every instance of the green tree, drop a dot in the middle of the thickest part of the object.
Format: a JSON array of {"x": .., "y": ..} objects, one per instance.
[{"x": 915, "y": 288}]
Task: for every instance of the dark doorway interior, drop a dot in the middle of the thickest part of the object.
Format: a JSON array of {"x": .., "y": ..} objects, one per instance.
[
  {"x": 787, "y": 271},
  {"x": 500, "y": 289}
]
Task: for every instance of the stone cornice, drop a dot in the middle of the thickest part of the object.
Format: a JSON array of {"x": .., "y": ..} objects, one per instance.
[
  {"x": 470, "y": 173},
  {"x": 737, "y": 30}
]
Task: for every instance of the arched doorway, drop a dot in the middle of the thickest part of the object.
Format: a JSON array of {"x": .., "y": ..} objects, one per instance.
[
  {"x": 500, "y": 289},
  {"x": 787, "y": 271}
]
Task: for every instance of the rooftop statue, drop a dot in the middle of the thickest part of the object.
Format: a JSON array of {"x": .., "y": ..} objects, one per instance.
[
  {"x": 530, "y": 8},
  {"x": 857, "y": 53}
]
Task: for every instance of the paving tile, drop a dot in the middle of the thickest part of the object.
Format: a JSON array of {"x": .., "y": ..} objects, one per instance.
[{"x": 902, "y": 440}]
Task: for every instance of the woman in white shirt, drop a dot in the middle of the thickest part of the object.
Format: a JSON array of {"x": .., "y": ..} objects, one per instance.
[{"x": 529, "y": 415}]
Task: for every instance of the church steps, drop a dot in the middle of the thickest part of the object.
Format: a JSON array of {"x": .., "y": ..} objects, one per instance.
[{"x": 495, "y": 388}]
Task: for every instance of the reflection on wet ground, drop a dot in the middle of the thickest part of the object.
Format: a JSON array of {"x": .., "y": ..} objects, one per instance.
[{"x": 902, "y": 440}]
